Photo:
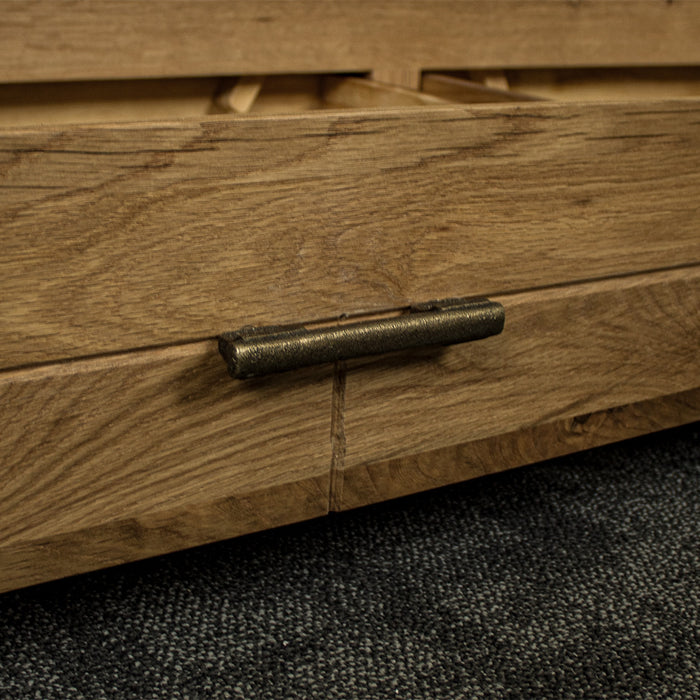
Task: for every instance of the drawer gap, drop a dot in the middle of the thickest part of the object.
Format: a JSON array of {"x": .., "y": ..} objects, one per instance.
[
  {"x": 564, "y": 84},
  {"x": 25, "y": 104}
]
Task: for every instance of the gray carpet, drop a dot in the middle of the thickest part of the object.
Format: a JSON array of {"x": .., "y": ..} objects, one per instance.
[{"x": 575, "y": 578}]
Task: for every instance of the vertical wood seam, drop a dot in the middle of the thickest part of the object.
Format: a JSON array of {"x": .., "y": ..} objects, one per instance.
[
  {"x": 338, "y": 442},
  {"x": 406, "y": 75}
]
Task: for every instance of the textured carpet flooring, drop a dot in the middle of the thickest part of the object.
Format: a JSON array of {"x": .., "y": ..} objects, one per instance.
[{"x": 575, "y": 578}]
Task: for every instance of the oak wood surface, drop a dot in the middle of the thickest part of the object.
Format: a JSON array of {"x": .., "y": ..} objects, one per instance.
[
  {"x": 121, "y": 439},
  {"x": 118, "y": 458},
  {"x": 158, "y": 38},
  {"x": 563, "y": 352},
  {"x": 149, "y": 534},
  {"x": 135, "y": 235},
  {"x": 123, "y": 236},
  {"x": 362, "y": 484}
]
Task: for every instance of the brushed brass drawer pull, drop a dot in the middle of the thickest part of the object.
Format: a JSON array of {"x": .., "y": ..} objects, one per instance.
[{"x": 253, "y": 352}]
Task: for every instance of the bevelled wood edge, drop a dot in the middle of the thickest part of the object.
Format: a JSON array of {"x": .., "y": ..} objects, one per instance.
[
  {"x": 162, "y": 38},
  {"x": 364, "y": 484},
  {"x": 161, "y": 532}
]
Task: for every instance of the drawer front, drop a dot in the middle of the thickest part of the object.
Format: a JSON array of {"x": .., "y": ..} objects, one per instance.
[
  {"x": 564, "y": 353},
  {"x": 128, "y": 236},
  {"x": 114, "y": 459}
]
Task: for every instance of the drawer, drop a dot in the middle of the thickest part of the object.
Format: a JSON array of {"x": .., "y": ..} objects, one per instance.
[
  {"x": 133, "y": 235},
  {"x": 140, "y": 219},
  {"x": 112, "y": 459}
]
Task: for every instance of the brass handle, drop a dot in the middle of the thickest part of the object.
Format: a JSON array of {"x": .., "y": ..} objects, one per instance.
[{"x": 253, "y": 352}]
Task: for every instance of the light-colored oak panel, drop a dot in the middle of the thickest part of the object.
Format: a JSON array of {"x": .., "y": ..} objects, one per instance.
[
  {"x": 563, "y": 352},
  {"x": 360, "y": 92},
  {"x": 123, "y": 236},
  {"x": 362, "y": 484},
  {"x": 455, "y": 89},
  {"x": 92, "y": 39},
  {"x": 124, "y": 438}
]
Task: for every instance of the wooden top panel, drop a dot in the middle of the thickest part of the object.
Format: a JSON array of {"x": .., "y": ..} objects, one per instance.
[
  {"x": 45, "y": 40},
  {"x": 123, "y": 236}
]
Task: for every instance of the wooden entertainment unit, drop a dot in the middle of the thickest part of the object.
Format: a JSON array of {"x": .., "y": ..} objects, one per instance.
[{"x": 173, "y": 170}]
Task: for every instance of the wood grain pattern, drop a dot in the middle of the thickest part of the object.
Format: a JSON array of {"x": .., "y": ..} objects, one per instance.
[
  {"x": 119, "y": 458},
  {"x": 362, "y": 484},
  {"x": 123, "y": 236},
  {"x": 150, "y": 534},
  {"x": 564, "y": 352},
  {"x": 162, "y": 38},
  {"x": 122, "y": 439}
]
